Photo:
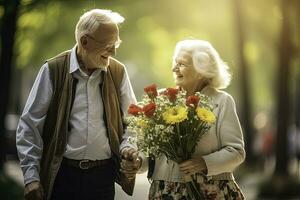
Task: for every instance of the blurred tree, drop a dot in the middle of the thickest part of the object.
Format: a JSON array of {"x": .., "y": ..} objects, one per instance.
[
  {"x": 283, "y": 109},
  {"x": 25, "y": 7},
  {"x": 297, "y": 72},
  {"x": 10, "y": 76},
  {"x": 8, "y": 188},
  {"x": 245, "y": 77},
  {"x": 8, "y": 29},
  {"x": 281, "y": 184},
  {"x": 297, "y": 120}
]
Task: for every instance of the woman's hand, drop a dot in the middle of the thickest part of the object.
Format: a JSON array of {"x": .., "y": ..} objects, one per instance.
[{"x": 193, "y": 166}]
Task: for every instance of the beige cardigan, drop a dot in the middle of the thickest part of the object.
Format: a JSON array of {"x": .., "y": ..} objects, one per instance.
[{"x": 222, "y": 147}]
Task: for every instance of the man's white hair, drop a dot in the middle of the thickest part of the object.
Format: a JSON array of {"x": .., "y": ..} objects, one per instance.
[
  {"x": 206, "y": 61},
  {"x": 92, "y": 19}
]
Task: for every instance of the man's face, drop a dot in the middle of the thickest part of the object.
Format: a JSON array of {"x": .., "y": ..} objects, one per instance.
[{"x": 101, "y": 45}]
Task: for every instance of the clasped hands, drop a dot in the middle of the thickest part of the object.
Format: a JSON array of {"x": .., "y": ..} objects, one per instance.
[{"x": 131, "y": 162}]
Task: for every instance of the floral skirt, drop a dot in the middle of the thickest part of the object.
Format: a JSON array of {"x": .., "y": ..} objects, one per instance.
[{"x": 212, "y": 190}]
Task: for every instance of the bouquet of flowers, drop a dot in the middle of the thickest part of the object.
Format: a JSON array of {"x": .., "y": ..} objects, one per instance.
[{"x": 171, "y": 123}]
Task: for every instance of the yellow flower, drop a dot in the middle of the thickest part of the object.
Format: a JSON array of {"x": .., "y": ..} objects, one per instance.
[
  {"x": 142, "y": 123},
  {"x": 206, "y": 115},
  {"x": 175, "y": 115}
]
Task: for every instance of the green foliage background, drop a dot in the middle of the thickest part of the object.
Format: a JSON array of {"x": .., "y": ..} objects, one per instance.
[{"x": 151, "y": 30}]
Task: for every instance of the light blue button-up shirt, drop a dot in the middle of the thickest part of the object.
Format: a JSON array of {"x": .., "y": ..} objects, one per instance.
[{"x": 87, "y": 138}]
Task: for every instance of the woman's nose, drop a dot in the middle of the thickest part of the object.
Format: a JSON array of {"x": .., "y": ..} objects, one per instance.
[{"x": 175, "y": 68}]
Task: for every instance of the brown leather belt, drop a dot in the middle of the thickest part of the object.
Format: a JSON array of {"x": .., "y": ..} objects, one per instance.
[{"x": 86, "y": 164}]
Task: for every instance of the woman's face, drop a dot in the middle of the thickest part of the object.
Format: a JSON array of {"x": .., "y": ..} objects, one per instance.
[{"x": 184, "y": 72}]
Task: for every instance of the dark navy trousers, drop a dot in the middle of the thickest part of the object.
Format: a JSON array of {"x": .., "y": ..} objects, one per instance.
[{"x": 84, "y": 184}]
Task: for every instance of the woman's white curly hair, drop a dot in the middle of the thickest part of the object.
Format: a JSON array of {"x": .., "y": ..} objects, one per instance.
[{"x": 206, "y": 61}]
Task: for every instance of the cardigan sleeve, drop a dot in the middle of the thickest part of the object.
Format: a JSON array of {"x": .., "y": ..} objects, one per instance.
[{"x": 229, "y": 132}]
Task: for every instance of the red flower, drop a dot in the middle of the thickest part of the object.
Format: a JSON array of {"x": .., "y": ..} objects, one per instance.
[
  {"x": 134, "y": 109},
  {"x": 149, "y": 109},
  {"x": 192, "y": 100},
  {"x": 171, "y": 93},
  {"x": 151, "y": 90}
]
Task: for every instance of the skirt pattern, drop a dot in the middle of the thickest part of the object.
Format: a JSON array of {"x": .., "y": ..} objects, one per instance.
[{"x": 212, "y": 190}]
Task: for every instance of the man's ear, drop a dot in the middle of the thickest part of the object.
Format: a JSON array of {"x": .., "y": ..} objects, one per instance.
[{"x": 83, "y": 41}]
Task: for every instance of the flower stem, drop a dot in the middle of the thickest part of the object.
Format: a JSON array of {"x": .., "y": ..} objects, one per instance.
[
  {"x": 173, "y": 151},
  {"x": 180, "y": 144},
  {"x": 193, "y": 191}
]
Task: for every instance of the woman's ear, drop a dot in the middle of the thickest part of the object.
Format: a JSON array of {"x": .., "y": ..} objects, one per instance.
[{"x": 199, "y": 76}]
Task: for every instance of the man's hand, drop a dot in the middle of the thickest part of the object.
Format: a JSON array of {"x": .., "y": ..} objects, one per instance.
[
  {"x": 131, "y": 163},
  {"x": 33, "y": 191}
]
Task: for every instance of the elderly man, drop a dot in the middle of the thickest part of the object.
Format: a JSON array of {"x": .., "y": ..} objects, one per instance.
[{"x": 69, "y": 135}]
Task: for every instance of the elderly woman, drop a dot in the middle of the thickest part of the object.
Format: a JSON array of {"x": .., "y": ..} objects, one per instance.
[{"x": 198, "y": 67}]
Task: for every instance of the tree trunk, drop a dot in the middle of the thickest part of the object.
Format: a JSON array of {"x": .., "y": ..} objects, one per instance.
[
  {"x": 8, "y": 29},
  {"x": 283, "y": 105},
  {"x": 297, "y": 53},
  {"x": 246, "y": 97}
]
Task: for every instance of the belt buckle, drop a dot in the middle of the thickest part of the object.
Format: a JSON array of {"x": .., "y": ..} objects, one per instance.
[{"x": 81, "y": 166}]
